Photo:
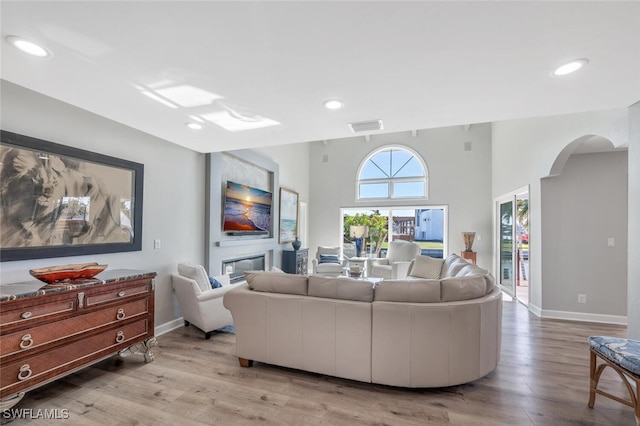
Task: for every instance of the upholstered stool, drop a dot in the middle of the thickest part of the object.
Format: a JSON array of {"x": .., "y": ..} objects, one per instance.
[{"x": 623, "y": 355}]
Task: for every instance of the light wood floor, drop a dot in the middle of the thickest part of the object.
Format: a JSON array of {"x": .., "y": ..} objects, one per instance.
[{"x": 542, "y": 379}]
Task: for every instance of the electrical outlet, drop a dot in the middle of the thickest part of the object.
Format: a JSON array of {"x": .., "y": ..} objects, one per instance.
[
  {"x": 156, "y": 244},
  {"x": 582, "y": 298},
  {"x": 611, "y": 242}
]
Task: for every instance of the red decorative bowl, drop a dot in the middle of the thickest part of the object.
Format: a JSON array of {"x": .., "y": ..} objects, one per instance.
[{"x": 54, "y": 274}]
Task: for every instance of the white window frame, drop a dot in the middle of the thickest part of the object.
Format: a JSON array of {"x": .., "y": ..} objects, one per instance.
[{"x": 391, "y": 180}]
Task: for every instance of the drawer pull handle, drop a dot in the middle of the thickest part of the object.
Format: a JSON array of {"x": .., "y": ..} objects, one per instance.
[
  {"x": 121, "y": 294},
  {"x": 120, "y": 315},
  {"x": 25, "y": 372},
  {"x": 26, "y": 315},
  {"x": 120, "y": 337},
  {"x": 26, "y": 341}
]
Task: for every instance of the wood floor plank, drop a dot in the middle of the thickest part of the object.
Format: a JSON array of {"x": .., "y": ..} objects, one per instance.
[{"x": 542, "y": 379}]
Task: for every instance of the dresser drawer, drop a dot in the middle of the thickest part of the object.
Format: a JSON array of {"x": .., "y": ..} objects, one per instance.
[
  {"x": 97, "y": 297},
  {"x": 28, "y": 313},
  {"x": 29, "y": 372},
  {"x": 30, "y": 339}
]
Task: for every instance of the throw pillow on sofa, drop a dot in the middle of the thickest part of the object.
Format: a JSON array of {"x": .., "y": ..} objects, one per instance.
[
  {"x": 426, "y": 267},
  {"x": 329, "y": 258},
  {"x": 214, "y": 282}
]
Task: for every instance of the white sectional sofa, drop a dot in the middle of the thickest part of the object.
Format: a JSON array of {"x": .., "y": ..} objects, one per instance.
[{"x": 416, "y": 332}]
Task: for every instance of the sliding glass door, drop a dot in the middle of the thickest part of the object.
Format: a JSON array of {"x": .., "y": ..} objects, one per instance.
[
  {"x": 506, "y": 246},
  {"x": 424, "y": 225}
]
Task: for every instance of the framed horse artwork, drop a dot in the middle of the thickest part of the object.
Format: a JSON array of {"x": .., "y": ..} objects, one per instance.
[{"x": 58, "y": 201}]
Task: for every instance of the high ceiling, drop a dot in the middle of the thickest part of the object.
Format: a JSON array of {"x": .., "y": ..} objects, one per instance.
[{"x": 415, "y": 65}]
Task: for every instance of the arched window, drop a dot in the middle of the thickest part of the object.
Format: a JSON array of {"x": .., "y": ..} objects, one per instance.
[{"x": 392, "y": 172}]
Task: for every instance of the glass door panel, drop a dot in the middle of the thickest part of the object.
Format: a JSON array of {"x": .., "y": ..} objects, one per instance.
[{"x": 506, "y": 247}]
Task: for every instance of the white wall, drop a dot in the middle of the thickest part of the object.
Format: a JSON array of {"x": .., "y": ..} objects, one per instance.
[
  {"x": 633, "y": 290},
  {"x": 582, "y": 208},
  {"x": 524, "y": 151},
  {"x": 457, "y": 178},
  {"x": 174, "y": 179}
]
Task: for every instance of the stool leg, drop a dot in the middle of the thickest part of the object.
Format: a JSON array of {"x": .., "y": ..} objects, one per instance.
[
  {"x": 593, "y": 382},
  {"x": 637, "y": 402}
]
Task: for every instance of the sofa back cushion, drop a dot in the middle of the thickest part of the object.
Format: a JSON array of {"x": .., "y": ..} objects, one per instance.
[
  {"x": 426, "y": 267},
  {"x": 462, "y": 288},
  {"x": 196, "y": 273},
  {"x": 276, "y": 282},
  {"x": 452, "y": 265},
  {"x": 410, "y": 290},
  {"x": 341, "y": 288}
]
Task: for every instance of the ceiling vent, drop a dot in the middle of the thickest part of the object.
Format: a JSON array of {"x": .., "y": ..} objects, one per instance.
[{"x": 366, "y": 126}]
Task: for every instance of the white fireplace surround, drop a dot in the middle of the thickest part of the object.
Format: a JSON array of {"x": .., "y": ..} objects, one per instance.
[{"x": 246, "y": 167}]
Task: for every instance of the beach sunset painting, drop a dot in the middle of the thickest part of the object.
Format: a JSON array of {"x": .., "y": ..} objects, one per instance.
[{"x": 246, "y": 208}]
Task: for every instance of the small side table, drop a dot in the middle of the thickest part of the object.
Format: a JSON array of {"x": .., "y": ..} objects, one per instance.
[
  {"x": 360, "y": 261},
  {"x": 470, "y": 255}
]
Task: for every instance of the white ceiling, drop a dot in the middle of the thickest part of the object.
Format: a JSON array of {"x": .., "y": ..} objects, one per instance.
[{"x": 415, "y": 65}]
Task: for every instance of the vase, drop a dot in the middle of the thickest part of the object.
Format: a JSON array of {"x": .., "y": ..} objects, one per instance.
[
  {"x": 468, "y": 240},
  {"x": 296, "y": 244},
  {"x": 358, "y": 241}
]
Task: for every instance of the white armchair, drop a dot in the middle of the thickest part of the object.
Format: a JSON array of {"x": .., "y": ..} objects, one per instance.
[
  {"x": 328, "y": 268},
  {"x": 202, "y": 305},
  {"x": 396, "y": 265}
]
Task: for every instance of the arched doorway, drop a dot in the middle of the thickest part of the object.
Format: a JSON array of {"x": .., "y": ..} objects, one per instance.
[{"x": 584, "y": 224}]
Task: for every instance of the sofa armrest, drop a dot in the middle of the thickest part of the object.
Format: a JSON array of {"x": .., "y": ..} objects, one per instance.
[{"x": 400, "y": 270}]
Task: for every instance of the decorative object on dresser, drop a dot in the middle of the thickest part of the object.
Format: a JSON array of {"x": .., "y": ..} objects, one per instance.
[
  {"x": 74, "y": 271},
  {"x": 50, "y": 331},
  {"x": 81, "y": 202},
  {"x": 200, "y": 302},
  {"x": 295, "y": 261},
  {"x": 296, "y": 244}
]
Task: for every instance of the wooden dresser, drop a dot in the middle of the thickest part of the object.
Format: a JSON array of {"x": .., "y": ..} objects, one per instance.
[{"x": 50, "y": 330}]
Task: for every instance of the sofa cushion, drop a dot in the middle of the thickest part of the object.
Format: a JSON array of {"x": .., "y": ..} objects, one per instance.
[
  {"x": 452, "y": 265},
  {"x": 426, "y": 267},
  {"x": 462, "y": 288},
  {"x": 341, "y": 288},
  {"x": 196, "y": 273},
  {"x": 414, "y": 290},
  {"x": 276, "y": 282}
]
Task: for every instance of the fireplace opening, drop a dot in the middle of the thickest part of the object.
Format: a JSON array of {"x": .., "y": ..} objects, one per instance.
[{"x": 236, "y": 268}]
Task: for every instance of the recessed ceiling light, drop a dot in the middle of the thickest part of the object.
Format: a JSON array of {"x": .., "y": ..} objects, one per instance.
[
  {"x": 28, "y": 46},
  {"x": 194, "y": 126},
  {"x": 570, "y": 67},
  {"x": 333, "y": 104}
]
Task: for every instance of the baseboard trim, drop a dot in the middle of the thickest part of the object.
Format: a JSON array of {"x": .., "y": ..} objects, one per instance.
[
  {"x": 535, "y": 310},
  {"x": 585, "y": 317},
  {"x": 169, "y": 326}
]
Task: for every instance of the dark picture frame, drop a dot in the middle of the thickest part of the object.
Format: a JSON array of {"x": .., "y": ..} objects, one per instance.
[
  {"x": 59, "y": 201},
  {"x": 288, "y": 215}
]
